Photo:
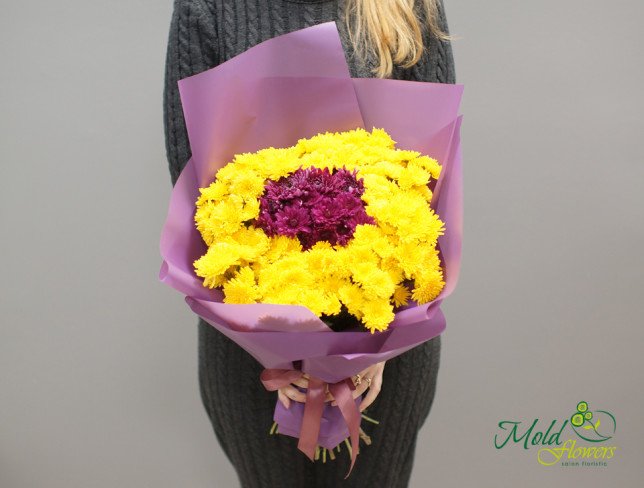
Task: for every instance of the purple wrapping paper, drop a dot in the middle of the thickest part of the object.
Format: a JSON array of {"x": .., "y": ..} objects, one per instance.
[{"x": 284, "y": 89}]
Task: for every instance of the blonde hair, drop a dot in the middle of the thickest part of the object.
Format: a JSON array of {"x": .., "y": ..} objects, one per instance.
[{"x": 391, "y": 31}]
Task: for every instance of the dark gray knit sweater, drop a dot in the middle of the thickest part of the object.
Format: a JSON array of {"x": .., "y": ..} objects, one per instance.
[{"x": 204, "y": 33}]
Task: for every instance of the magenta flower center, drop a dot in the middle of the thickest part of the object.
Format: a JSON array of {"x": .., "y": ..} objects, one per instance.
[{"x": 314, "y": 205}]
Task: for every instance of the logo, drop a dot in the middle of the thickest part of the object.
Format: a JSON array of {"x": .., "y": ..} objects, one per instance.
[{"x": 585, "y": 438}]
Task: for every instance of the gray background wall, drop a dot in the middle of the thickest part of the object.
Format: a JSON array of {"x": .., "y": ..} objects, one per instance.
[{"x": 98, "y": 379}]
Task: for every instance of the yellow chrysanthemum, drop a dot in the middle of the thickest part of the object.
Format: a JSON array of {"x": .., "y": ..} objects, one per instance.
[
  {"x": 428, "y": 287},
  {"x": 353, "y": 298},
  {"x": 247, "y": 184},
  {"x": 429, "y": 164},
  {"x": 413, "y": 176},
  {"x": 217, "y": 260},
  {"x": 376, "y": 283},
  {"x": 321, "y": 259},
  {"x": 242, "y": 288},
  {"x": 401, "y": 296},
  {"x": 366, "y": 275},
  {"x": 378, "y": 315}
]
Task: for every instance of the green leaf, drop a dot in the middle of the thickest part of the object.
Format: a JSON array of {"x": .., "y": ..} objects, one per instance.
[
  {"x": 597, "y": 424},
  {"x": 588, "y": 427}
]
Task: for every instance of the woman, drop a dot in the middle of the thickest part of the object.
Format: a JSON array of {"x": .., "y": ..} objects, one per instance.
[{"x": 401, "y": 39}]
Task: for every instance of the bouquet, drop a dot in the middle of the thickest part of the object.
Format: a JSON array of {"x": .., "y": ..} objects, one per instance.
[
  {"x": 318, "y": 223},
  {"x": 339, "y": 222}
]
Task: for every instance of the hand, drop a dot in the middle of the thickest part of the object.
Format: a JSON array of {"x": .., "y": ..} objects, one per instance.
[
  {"x": 373, "y": 373},
  {"x": 288, "y": 393}
]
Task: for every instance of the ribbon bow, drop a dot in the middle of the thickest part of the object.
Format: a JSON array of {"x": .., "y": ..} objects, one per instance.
[{"x": 274, "y": 379}]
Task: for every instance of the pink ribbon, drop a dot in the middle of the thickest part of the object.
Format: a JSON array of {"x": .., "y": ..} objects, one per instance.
[{"x": 274, "y": 379}]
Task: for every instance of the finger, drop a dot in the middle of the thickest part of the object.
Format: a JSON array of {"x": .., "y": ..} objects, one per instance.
[
  {"x": 302, "y": 382},
  {"x": 374, "y": 390},
  {"x": 328, "y": 396},
  {"x": 294, "y": 394},
  {"x": 369, "y": 397},
  {"x": 284, "y": 399},
  {"x": 373, "y": 371},
  {"x": 364, "y": 384},
  {"x": 369, "y": 372},
  {"x": 360, "y": 389}
]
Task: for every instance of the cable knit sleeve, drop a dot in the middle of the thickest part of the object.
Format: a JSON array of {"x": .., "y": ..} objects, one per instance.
[
  {"x": 192, "y": 48},
  {"x": 437, "y": 63},
  {"x": 446, "y": 71}
]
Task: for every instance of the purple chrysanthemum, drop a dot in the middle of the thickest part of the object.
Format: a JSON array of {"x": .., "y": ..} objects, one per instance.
[
  {"x": 292, "y": 221},
  {"x": 314, "y": 205}
]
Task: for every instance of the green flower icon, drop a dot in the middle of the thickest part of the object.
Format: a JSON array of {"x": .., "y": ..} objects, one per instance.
[
  {"x": 577, "y": 420},
  {"x": 586, "y": 423}
]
